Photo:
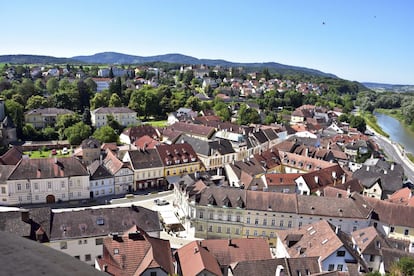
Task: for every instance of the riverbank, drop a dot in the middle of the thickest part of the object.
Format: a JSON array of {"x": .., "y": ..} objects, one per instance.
[
  {"x": 396, "y": 114},
  {"x": 371, "y": 121}
]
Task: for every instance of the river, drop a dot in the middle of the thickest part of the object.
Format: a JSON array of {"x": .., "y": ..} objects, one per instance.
[{"x": 396, "y": 130}]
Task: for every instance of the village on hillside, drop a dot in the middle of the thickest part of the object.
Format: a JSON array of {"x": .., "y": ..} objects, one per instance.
[{"x": 249, "y": 174}]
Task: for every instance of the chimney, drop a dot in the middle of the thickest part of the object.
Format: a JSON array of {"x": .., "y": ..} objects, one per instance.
[
  {"x": 306, "y": 151},
  {"x": 316, "y": 179},
  {"x": 367, "y": 168},
  {"x": 334, "y": 174},
  {"x": 343, "y": 178},
  {"x": 385, "y": 172},
  {"x": 392, "y": 166},
  {"x": 105, "y": 268},
  {"x": 195, "y": 250}
]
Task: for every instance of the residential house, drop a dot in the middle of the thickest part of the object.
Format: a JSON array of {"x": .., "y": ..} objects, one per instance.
[
  {"x": 102, "y": 83},
  {"x": 280, "y": 182},
  {"x": 295, "y": 163},
  {"x": 193, "y": 130},
  {"x": 179, "y": 159},
  {"x": 80, "y": 233},
  {"x": 122, "y": 172},
  {"x": 213, "y": 154},
  {"x": 146, "y": 142},
  {"x": 270, "y": 160},
  {"x": 277, "y": 267},
  {"x": 380, "y": 178},
  {"x": 223, "y": 212},
  {"x": 45, "y": 180},
  {"x": 147, "y": 167},
  {"x": 299, "y": 115},
  {"x": 370, "y": 245},
  {"x": 135, "y": 253},
  {"x": 403, "y": 196},
  {"x": 101, "y": 181},
  {"x": 88, "y": 151},
  {"x": 123, "y": 115},
  {"x": 38, "y": 259},
  {"x": 44, "y": 117},
  {"x": 393, "y": 220},
  {"x": 130, "y": 135},
  {"x": 315, "y": 181},
  {"x": 319, "y": 239},
  {"x": 215, "y": 256},
  {"x": 242, "y": 173}
]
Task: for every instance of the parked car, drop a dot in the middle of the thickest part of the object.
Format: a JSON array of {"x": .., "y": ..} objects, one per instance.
[
  {"x": 65, "y": 151},
  {"x": 161, "y": 202},
  {"x": 54, "y": 152}
]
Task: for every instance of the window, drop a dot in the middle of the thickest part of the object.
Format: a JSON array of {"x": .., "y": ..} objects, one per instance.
[
  {"x": 228, "y": 230},
  {"x": 237, "y": 231},
  {"x": 255, "y": 233},
  {"x": 79, "y": 241},
  {"x": 218, "y": 229},
  {"x": 406, "y": 232},
  {"x": 331, "y": 267},
  {"x": 248, "y": 220},
  {"x": 19, "y": 187},
  {"x": 200, "y": 227},
  {"x": 49, "y": 185},
  {"x": 98, "y": 241},
  {"x": 340, "y": 253},
  {"x": 238, "y": 218},
  {"x": 88, "y": 258},
  {"x": 211, "y": 215},
  {"x": 210, "y": 228},
  {"x": 281, "y": 223},
  {"x": 273, "y": 222},
  {"x": 371, "y": 258},
  {"x": 201, "y": 214},
  {"x": 392, "y": 229},
  {"x": 256, "y": 221},
  {"x": 116, "y": 251},
  {"x": 264, "y": 222},
  {"x": 340, "y": 267},
  {"x": 289, "y": 224},
  {"x": 153, "y": 273},
  {"x": 27, "y": 186},
  {"x": 263, "y": 233},
  {"x": 77, "y": 257},
  {"x": 229, "y": 217},
  {"x": 354, "y": 228},
  {"x": 62, "y": 184},
  {"x": 63, "y": 245},
  {"x": 3, "y": 190}
]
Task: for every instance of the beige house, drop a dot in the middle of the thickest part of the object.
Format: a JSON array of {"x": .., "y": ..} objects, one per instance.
[
  {"x": 44, "y": 180},
  {"x": 43, "y": 117},
  {"x": 123, "y": 115}
]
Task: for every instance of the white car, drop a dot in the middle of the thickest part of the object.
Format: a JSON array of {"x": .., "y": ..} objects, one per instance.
[{"x": 65, "y": 151}]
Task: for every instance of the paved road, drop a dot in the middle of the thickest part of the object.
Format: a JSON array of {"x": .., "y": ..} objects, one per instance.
[{"x": 395, "y": 153}]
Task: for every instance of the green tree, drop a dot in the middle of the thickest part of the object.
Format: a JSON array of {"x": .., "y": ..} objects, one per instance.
[
  {"x": 77, "y": 133},
  {"x": 91, "y": 84},
  {"x": 65, "y": 121},
  {"x": 221, "y": 109},
  {"x": 115, "y": 101},
  {"x": 105, "y": 134},
  {"x": 49, "y": 133},
  {"x": 194, "y": 103},
  {"x": 36, "y": 101},
  {"x": 86, "y": 116},
  {"x": 39, "y": 86},
  {"x": 358, "y": 122},
  {"x": 117, "y": 127},
  {"x": 30, "y": 133},
  {"x": 247, "y": 115},
  {"x": 84, "y": 95},
  {"x": 16, "y": 112},
  {"x": 116, "y": 87},
  {"x": 403, "y": 267},
  {"x": 100, "y": 100},
  {"x": 52, "y": 85}
]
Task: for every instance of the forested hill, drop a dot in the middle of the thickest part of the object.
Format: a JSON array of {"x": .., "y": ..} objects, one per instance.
[
  {"x": 118, "y": 58},
  {"x": 34, "y": 59}
]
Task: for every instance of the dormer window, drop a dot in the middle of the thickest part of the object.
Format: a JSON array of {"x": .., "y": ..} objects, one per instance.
[
  {"x": 211, "y": 200},
  {"x": 226, "y": 202},
  {"x": 240, "y": 203}
]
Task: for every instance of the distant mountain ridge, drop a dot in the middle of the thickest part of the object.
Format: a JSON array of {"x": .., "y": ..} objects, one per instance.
[
  {"x": 383, "y": 87},
  {"x": 119, "y": 58}
]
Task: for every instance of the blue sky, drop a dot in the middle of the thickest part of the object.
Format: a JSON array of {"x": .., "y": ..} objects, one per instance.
[{"x": 362, "y": 40}]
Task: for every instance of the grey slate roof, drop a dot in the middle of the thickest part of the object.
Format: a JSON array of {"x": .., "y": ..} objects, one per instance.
[
  {"x": 48, "y": 168},
  {"x": 98, "y": 171},
  {"x": 101, "y": 222},
  {"x": 112, "y": 110},
  {"x": 21, "y": 256},
  {"x": 205, "y": 147},
  {"x": 142, "y": 159}
]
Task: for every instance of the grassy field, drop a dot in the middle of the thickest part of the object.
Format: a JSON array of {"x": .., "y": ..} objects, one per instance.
[
  {"x": 371, "y": 121},
  {"x": 44, "y": 154},
  {"x": 162, "y": 123}
]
